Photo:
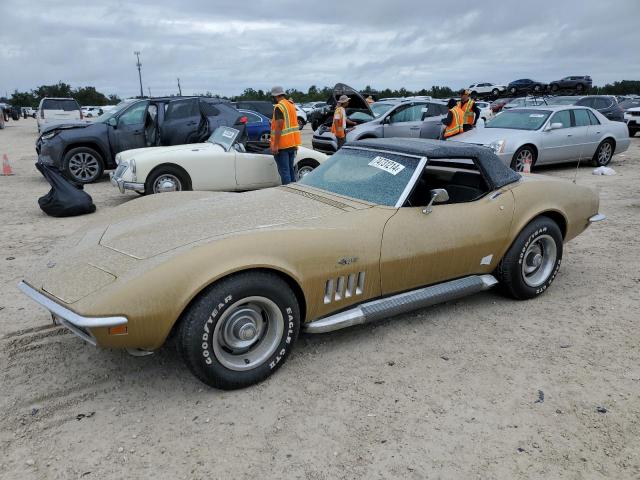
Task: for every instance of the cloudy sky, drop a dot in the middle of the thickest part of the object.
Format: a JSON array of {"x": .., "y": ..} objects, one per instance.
[{"x": 225, "y": 47}]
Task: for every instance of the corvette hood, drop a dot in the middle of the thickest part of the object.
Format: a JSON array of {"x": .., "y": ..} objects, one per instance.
[{"x": 159, "y": 223}]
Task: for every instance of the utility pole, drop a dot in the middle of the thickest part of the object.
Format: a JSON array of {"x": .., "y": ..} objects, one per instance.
[
  {"x": 179, "y": 89},
  {"x": 138, "y": 64},
  {"x": 149, "y": 89}
]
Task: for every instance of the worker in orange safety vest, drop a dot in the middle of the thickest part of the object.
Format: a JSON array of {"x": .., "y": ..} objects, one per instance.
[
  {"x": 470, "y": 109},
  {"x": 285, "y": 135},
  {"x": 340, "y": 121},
  {"x": 453, "y": 123}
]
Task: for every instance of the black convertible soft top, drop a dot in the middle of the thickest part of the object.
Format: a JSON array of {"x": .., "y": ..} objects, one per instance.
[{"x": 494, "y": 171}]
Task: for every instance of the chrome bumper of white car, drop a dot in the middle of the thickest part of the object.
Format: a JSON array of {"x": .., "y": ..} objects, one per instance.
[
  {"x": 122, "y": 185},
  {"x": 78, "y": 324},
  {"x": 597, "y": 218}
]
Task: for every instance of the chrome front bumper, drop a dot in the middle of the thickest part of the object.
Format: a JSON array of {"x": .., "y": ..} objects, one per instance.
[
  {"x": 122, "y": 185},
  {"x": 78, "y": 324}
]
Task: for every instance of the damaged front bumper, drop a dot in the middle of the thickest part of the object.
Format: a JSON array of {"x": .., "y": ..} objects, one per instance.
[{"x": 78, "y": 324}]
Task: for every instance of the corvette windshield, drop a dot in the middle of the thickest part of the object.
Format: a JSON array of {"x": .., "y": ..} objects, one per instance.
[
  {"x": 364, "y": 175},
  {"x": 519, "y": 119}
]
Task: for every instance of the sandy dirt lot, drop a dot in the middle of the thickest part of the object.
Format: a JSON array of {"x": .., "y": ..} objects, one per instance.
[{"x": 484, "y": 387}]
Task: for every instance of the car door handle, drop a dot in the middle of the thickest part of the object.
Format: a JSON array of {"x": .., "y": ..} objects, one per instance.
[{"x": 569, "y": 135}]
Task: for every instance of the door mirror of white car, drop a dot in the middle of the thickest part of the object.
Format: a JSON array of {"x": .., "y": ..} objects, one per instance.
[
  {"x": 113, "y": 122},
  {"x": 438, "y": 195},
  {"x": 555, "y": 126}
]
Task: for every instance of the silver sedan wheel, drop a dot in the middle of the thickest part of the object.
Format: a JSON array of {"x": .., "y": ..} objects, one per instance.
[
  {"x": 525, "y": 156},
  {"x": 167, "y": 182},
  {"x": 84, "y": 167},
  {"x": 248, "y": 333},
  {"x": 604, "y": 153},
  {"x": 302, "y": 171},
  {"x": 539, "y": 260}
]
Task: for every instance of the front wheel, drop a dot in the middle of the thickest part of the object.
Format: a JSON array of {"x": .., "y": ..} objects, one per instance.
[
  {"x": 533, "y": 260},
  {"x": 240, "y": 330},
  {"x": 513, "y": 90},
  {"x": 554, "y": 87},
  {"x": 495, "y": 92},
  {"x": 167, "y": 179},
  {"x": 523, "y": 156},
  {"x": 603, "y": 155},
  {"x": 83, "y": 165}
]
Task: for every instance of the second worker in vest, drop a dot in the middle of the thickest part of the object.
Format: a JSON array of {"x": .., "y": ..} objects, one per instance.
[
  {"x": 470, "y": 109},
  {"x": 285, "y": 135},
  {"x": 340, "y": 121},
  {"x": 453, "y": 121}
]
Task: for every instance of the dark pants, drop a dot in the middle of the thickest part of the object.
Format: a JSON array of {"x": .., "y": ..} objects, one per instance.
[
  {"x": 284, "y": 160},
  {"x": 341, "y": 141}
]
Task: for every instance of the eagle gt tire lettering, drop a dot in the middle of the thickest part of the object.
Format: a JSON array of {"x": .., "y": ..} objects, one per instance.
[
  {"x": 533, "y": 260},
  {"x": 239, "y": 330}
]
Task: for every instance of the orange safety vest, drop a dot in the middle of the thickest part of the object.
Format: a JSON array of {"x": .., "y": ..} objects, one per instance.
[
  {"x": 468, "y": 111},
  {"x": 455, "y": 127},
  {"x": 339, "y": 123},
  {"x": 290, "y": 135}
]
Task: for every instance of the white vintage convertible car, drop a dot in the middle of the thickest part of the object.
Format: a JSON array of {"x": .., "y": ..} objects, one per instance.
[{"x": 220, "y": 164}]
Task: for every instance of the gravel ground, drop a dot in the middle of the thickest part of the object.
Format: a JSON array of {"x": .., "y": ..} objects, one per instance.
[{"x": 484, "y": 387}]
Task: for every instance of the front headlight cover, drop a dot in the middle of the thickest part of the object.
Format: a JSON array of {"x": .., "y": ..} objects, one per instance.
[
  {"x": 497, "y": 146},
  {"x": 49, "y": 135}
]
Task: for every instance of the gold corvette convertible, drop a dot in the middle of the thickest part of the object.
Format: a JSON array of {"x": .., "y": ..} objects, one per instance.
[{"x": 382, "y": 227}]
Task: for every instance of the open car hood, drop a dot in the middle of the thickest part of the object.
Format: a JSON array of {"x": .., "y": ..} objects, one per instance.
[{"x": 357, "y": 101}]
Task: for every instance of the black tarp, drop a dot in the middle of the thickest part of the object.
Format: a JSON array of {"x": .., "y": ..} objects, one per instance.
[{"x": 65, "y": 199}]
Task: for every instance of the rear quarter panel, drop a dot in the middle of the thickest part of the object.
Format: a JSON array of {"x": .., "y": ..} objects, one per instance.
[{"x": 536, "y": 195}]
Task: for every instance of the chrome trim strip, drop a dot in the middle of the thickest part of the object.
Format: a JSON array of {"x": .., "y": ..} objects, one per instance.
[
  {"x": 412, "y": 181},
  {"x": 597, "y": 218},
  {"x": 67, "y": 315},
  {"x": 402, "y": 303}
]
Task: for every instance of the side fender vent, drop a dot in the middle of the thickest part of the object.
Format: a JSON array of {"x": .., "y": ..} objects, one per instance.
[{"x": 336, "y": 289}]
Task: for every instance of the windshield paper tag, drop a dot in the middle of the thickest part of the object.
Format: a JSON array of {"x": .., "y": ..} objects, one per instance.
[
  {"x": 228, "y": 133},
  {"x": 536, "y": 115},
  {"x": 387, "y": 165}
]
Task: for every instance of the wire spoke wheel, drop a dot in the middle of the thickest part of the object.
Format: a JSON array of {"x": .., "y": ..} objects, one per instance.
[
  {"x": 539, "y": 260},
  {"x": 248, "y": 333},
  {"x": 84, "y": 166}
]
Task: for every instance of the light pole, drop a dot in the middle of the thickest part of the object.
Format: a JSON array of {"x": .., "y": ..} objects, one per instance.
[
  {"x": 138, "y": 64},
  {"x": 179, "y": 89}
]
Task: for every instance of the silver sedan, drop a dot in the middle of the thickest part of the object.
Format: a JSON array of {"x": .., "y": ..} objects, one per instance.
[{"x": 550, "y": 134}]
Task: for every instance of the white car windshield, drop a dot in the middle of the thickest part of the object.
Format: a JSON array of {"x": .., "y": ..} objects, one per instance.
[
  {"x": 224, "y": 136},
  {"x": 521, "y": 119},
  {"x": 367, "y": 175}
]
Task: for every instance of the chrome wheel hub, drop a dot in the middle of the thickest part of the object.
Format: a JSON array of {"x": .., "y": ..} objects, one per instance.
[
  {"x": 84, "y": 166},
  {"x": 248, "y": 333},
  {"x": 539, "y": 260},
  {"x": 167, "y": 183},
  {"x": 304, "y": 171},
  {"x": 604, "y": 154},
  {"x": 523, "y": 157}
]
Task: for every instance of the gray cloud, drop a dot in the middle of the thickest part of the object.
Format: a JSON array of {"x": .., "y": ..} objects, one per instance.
[{"x": 225, "y": 47}]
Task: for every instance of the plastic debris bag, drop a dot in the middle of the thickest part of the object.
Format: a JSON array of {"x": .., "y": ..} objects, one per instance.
[
  {"x": 65, "y": 199},
  {"x": 604, "y": 171}
]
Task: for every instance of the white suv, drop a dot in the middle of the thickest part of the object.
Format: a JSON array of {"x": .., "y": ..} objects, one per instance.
[
  {"x": 486, "y": 88},
  {"x": 57, "y": 110}
]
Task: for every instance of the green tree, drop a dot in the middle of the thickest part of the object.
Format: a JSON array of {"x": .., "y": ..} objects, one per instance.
[
  {"x": 24, "y": 99},
  {"x": 89, "y": 96},
  {"x": 60, "y": 89}
]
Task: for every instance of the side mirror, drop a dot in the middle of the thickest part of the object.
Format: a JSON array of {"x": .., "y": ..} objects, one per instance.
[
  {"x": 113, "y": 122},
  {"x": 438, "y": 195},
  {"x": 555, "y": 126}
]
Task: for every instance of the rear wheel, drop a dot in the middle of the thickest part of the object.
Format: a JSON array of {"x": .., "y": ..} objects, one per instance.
[
  {"x": 240, "y": 330},
  {"x": 523, "y": 155},
  {"x": 579, "y": 87},
  {"x": 554, "y": 87},
  {"x": 533, "y": 260},
  {"x": 495, "y": 92},
  {"x": 513, "y": 90},
  {"x": 83, "y": 165},
  {"x": 603, "y": 154},
  {"x": 167, "y": 179},
  {"x": 301, "y": 123},
  {"x": 632, "y": 131}
]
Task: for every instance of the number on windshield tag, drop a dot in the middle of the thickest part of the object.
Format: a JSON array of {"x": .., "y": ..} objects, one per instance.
[{"x": 387, "y": 165}]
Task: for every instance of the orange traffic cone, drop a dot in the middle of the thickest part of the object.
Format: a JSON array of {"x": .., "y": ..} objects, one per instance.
[{"x": 6, "y": 168}]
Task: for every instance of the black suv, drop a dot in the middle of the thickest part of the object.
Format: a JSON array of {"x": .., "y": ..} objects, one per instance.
[
  {"x": 607, "y": 105},
  {"x": 578, "y": 83},
  {"x": 526, "y": 85},
  {"x": 84, "y": 150}
]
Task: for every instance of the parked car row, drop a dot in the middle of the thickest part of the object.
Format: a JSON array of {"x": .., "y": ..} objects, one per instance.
[{"x": 522, "y": 86}]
